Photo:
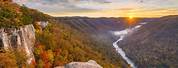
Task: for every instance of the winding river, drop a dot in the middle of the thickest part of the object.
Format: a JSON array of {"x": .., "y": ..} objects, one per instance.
[{"x": 122, "y": 34}]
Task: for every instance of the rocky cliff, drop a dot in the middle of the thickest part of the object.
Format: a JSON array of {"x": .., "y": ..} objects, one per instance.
[{"x": 22, "y": 38}]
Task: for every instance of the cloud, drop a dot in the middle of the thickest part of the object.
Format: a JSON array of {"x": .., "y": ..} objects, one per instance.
[
  {"x": 92, "y": 7},
  {"x": 65, "y": 5}
]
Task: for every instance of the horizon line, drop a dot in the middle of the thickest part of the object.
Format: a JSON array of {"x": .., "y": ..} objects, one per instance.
[{"x": 115, "y": 16}]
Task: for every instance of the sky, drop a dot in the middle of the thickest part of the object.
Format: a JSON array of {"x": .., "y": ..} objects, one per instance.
[{"x": 104, "y": 8}]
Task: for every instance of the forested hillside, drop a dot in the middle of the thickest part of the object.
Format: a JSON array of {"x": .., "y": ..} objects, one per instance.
[
  {"x": 155, "y": 44},
  {"x": 56, "y": 44}
]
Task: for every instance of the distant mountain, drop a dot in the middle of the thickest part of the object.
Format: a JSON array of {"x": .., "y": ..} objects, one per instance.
[
  {"x": 99, "y": 27},
  {"x": 155, "y": 44},
  {"x": 99, "y": 31},
  {"x": 96, "y": 25}
]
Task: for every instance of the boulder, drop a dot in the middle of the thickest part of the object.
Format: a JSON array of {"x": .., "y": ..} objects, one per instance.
[{"x": 89, "y": 64}]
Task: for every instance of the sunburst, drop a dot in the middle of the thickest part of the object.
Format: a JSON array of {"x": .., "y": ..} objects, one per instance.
[{"x": 131, "y": 17}]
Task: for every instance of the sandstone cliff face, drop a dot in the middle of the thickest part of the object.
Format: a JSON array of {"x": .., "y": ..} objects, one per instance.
[{"x": 18, "y": 38}]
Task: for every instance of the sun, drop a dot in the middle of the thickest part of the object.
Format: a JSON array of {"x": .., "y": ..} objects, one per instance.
[
  {"x": 131, "y": 17},
  {"x": 131, "y": 20}
]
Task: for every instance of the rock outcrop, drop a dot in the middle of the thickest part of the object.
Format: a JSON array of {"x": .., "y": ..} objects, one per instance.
[
  {"x": 18, "y": 38},
  {"x": 89, "y": 64},
  {"x": 42, "y": 24}
]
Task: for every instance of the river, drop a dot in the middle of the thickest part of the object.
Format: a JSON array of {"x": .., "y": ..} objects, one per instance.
[{"x": 122, "y": 34}]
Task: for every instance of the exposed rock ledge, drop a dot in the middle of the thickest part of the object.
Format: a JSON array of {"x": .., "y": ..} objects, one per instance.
[
  {"x": 89, "y": 64},
  {"x": 18, "y": 38}
]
